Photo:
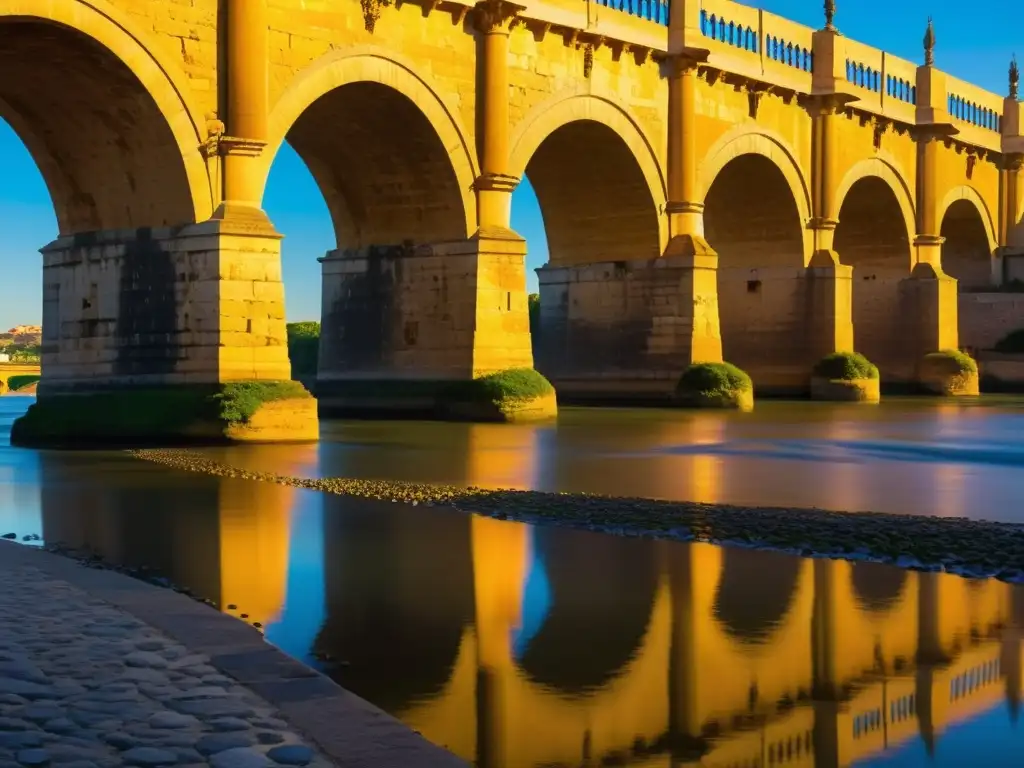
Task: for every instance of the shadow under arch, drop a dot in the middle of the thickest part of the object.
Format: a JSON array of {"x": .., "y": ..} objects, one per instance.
[
  {"x": 877, "y": 587},
  {"x": 753, "y": 221},
  {"x": 399, "y": 594},
  {"x": 598, "y": 180},
  {"x": 755, "y": 592},
  {"x": 390, "y": 158},
  {"x": 594, "y": 210},
  {"x": 111, "y": 136},
  {"x": 967, "y": 250},
  {"x": 874, "y": 237},
  {"x": 602, "y": 597}
]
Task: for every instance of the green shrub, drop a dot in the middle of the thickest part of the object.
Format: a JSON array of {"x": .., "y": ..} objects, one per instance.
[
  {"x": 953, "y": 360},
  {"x": 1012, "y": 343},
  {"x": 143, "y": 414},
  {"x": 237, "y": 401},
  {"x": 533, "y": 305},
  {"x": 305, "y": 329},
  {"x": 845, "y": 366},
  {"x": 513, "y": 384},
  {"x": 304, "y": 348},
  {"x": 712, "y": 381},
  {"x": 20, "y": 382}
]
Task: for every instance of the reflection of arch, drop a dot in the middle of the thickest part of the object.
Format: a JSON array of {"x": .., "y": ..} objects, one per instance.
[
  {"x": 147, "y": 154},
  {"x": 624, "y": 186},
  {"x": 577, "y": 648},
  {"x": 755, "y": 592},
  {"x": 746, "y": 140},
  {"x": 355, "y": 72},
  {"x": 876, "y": 586},
  {"x": 876, "y": 167},
  {"x": 396, "y": 609}
]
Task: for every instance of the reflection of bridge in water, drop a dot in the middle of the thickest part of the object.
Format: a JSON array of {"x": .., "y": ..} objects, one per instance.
[{"x": 521, "y": 647}]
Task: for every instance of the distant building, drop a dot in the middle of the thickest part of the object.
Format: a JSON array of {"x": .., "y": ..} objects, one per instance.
[{"x": 4, "y": 357}]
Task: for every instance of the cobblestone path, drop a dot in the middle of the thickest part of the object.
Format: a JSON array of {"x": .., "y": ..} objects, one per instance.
[{"x": 85, "y": 685}]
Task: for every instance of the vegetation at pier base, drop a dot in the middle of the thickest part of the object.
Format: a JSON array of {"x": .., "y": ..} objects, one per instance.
[
  {"x": 17, "y": 383},
  {"x": 304, "y": 349},
  {"x": 148, "y": 415},
  {"x": 502, "y": 396},
  {"x": 953, "y": 360},
  {"x": 958, "y": 545},
  {"x": 845, "y": 366},
  {"x": 237, "y": 401},
  {"x": 715, "y": 385},
  {"x": 949, "y": 372}
]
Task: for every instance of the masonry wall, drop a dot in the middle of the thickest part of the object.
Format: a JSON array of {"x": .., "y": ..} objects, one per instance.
[
  {"x": 621, "y": 329},
  {"x": 439, "y": 47},
  {"x": 986, "y": 317},
  {"x": 154, "y": 307},
  {"x": 185, "y": 32}
]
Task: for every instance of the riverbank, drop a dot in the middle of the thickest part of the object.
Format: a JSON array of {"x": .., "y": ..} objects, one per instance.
[
  {"x": 104, "y": 670},
  {"x": 957, "y": 545}
]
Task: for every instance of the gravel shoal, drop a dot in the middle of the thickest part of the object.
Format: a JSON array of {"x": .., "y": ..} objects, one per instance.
[{"x": 972, "y": 548}]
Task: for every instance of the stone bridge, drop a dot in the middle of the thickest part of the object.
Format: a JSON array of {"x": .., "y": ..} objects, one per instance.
[{"x": 714, "y": 180}]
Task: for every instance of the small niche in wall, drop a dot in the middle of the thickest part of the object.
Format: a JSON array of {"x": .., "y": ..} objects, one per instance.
[{"x": 753, "y": 286}]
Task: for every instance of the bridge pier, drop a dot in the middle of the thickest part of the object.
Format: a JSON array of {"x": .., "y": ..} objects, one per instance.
[
  {"x": 627, "y": 330},
  {"x": 402, "y": 322},
  {"x": 141, "y": 327}
]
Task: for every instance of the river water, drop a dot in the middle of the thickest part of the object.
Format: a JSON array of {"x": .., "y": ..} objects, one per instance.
[{"x": 520, "y": 647}]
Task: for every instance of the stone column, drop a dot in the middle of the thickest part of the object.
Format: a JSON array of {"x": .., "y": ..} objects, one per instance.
[
  {"x": 1009, "y": 262},
  {"x": 699, "y": 338},
  {"x": 495, "y": 185},
  {"x": 929, "y": 294},
  {"x": 830, "y": 288},
  {"x": 247, "y": 109}
]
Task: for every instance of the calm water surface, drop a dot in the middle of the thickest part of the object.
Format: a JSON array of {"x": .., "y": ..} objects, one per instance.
[{"x": 523, "y": 647}]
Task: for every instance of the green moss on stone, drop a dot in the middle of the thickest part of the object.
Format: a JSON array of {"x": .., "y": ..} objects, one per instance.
[
  {"x": 20, "y": 382},
  {"x": 845, "y": 366},
  {"x": 144, "y": 415},
  {"x": 952, "y": 361},
  {"x": 513, "y": 384},
  {"x": 237, "y": 401},
  {"x": 720, "y": 385}
]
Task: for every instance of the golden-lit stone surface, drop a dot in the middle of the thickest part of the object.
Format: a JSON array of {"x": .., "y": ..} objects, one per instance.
[
  {"x": 839, "y": 390},
  {"x": 718, "y": 202},
  {"x": 279, "y": 421}
]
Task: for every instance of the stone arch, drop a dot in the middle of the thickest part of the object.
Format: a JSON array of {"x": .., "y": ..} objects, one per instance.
[
  {"x": 882, "y": 170},
  {"x": 755, "y": 214},
  {"x": 122, "y": 99},
  {"x": 966, "y": 223},
  {"x": 612, "y": 209},
  {"x": 874, "y": 235},
  {"x": 747, "y": 140},
  {"x": 755, "y": 592},
  {"x": 406, "y": 130}
]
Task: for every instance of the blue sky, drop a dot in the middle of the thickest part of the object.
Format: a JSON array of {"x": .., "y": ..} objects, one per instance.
[{"x": 975, "y": 41}]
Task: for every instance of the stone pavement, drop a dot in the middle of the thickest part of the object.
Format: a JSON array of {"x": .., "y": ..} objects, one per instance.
[{"x": 88, "y": 681}]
